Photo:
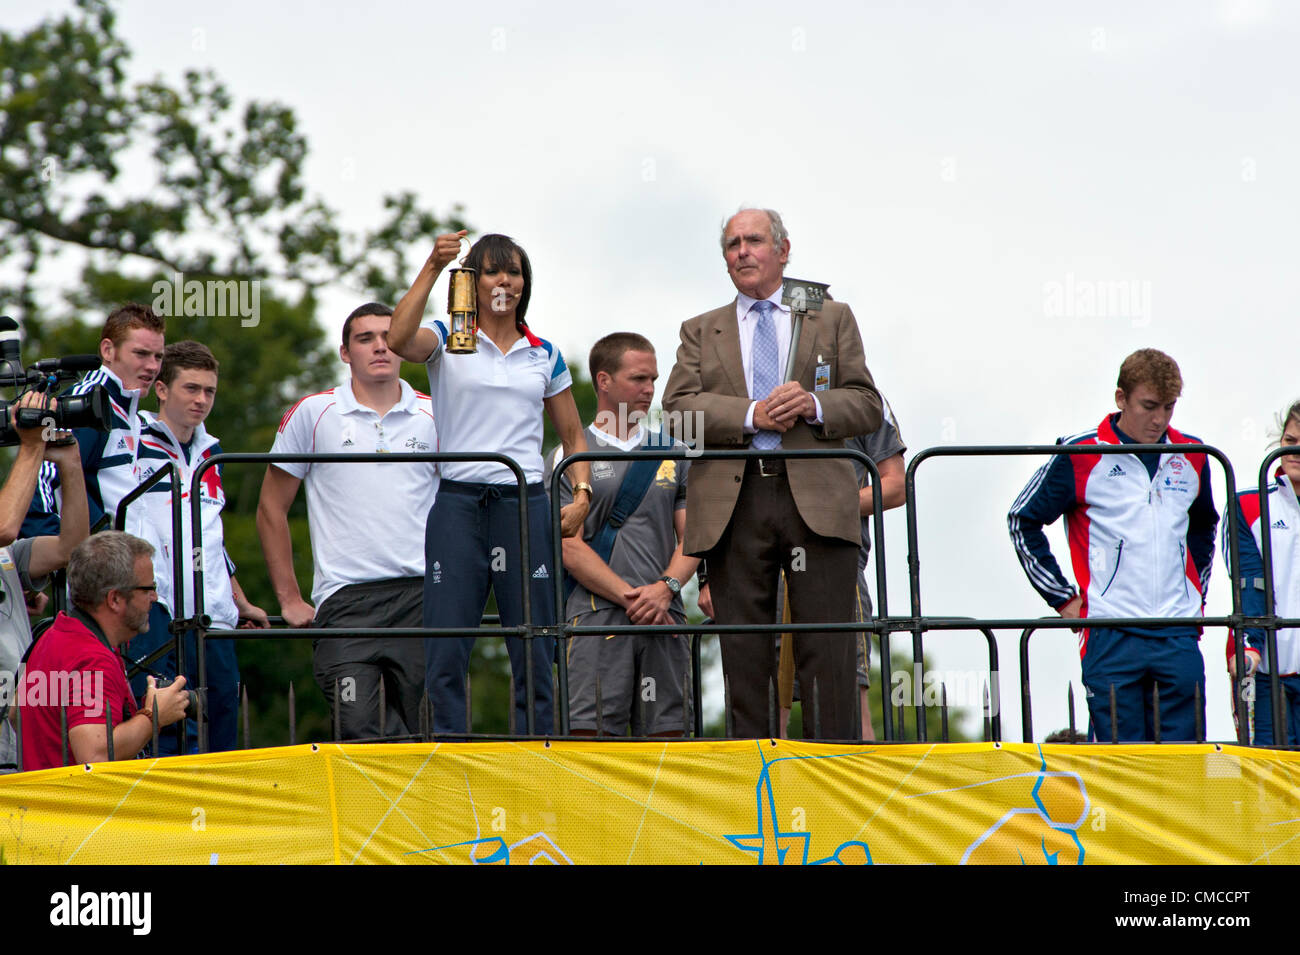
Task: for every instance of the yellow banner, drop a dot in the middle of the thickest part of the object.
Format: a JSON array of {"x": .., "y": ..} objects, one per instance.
[{"x": 759, "y": 802}]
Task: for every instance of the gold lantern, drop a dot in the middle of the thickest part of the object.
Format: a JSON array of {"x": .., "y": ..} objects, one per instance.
[{"x": 462, "y": 311}]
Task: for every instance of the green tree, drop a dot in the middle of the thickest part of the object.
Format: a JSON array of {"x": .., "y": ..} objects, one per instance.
[
  {"x": 226, "y": 196},
  {"x": 216, "y": 194}
]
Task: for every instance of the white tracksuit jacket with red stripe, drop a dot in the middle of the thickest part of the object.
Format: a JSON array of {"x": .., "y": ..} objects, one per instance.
[{"x": 1139, "y": 546}]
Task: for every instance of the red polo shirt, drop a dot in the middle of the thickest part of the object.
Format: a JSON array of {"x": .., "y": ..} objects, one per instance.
[{"x": 73, "y": 668}]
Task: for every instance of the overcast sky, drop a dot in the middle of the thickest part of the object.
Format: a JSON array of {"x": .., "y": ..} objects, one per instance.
[{"x": 1011, "y": 196}]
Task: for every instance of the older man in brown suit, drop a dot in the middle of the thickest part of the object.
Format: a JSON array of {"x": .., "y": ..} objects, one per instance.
[{"x": 752, "y": 519}]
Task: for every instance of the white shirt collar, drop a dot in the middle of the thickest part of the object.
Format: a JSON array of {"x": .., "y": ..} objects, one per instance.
[
  {"x": 744, "y": 303},
  {"x": 522, "y": 343},
  {"x": 348, "y": 403},
  {"x": 136, "y": 392}
]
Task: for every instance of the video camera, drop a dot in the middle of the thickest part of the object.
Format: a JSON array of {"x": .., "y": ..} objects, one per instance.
[{"x": 90, "y": 410}]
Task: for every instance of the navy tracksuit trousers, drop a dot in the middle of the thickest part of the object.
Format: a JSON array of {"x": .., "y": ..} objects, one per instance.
[{"x": 471, "y": 542}]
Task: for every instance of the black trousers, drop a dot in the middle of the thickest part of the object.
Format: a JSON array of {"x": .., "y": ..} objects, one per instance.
[
  {"x": 767, "y": 535},
  {"x": 360, "y": 664}
]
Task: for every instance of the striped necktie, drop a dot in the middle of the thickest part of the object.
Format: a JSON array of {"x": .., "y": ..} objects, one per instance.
[{"x": 767, "y": 374}]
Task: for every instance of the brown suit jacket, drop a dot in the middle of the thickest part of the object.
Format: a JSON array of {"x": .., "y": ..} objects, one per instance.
[{"x": 709, "y": 379}]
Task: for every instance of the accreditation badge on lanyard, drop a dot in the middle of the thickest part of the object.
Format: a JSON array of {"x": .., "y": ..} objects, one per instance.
[{"x": 822, "y": 380}]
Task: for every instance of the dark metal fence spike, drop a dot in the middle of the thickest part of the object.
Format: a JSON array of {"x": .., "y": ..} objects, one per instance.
[
  {"x": 1026, "y": 696},
  {"x": 336, "y": 716},
  {"x": 1155, "y": 710},
  {"x": 943, "y": 711},
  {"x": 293, "y": 717},
  {"x": 469, "y": 702},
  {"x": 108, "y": 731},
  {"x": 1200, "y": 722},
  {"x": 530, "y": 691},
  {"x": 18, "y": 735},
  {"x": 857, "y": 704},
  {"x": 988, "y": 712},
  {"x": 994, "y": 691},
  {"x": 198, "y": 726},
  {"x": 383, "y": 709},
  {"x": 248, "y": 735},
  {"x": 900, "y": 731},
  {"x": 1114, "y": 716},
  {"x": 1069, "y": 703},
  {"x": 817, "y": 711},
  {"x": 688, "y": 703},
  {"x": 512, "y": 721},
  {"x": 773, "y": 729},
  {"x": 1281, "y": 736},
  {"x": 201, "y": 726},
  {"x": 728, "y": 720},
  {"x": 697, "y": 688},
  {"x": 556, "y": 724}
]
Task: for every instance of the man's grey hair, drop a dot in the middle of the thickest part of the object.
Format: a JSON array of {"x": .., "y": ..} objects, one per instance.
[
  {"x": 779, "y": 234},
  {"x": 104, "y": 562}
]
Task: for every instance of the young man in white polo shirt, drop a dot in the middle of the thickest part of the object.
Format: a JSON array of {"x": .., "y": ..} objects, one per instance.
[{"x": 367, "y": 549}]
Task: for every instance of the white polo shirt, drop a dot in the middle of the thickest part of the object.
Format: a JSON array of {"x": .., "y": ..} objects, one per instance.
[
  {"x": 488, "y": 401},
  {"x": 367, "y": 520}
]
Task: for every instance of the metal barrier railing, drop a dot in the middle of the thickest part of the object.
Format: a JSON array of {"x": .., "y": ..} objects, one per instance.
[
  {"x": 883, "y": 624},
  {"x": 1026, "y": 700},
  {"x": 918, "y": 624},
  {"x": 992, "y": 709},
  {"x": 528, "y": 630},
  {"x": 200, "y": 623},
  {"x": 175, "y": 644},
  {"x": 1270, "y": 622},
  {"x": 568, "y": 630}
]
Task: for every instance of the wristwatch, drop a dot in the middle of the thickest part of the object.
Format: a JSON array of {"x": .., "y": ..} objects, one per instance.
[
  {"x": 583, "y": 486},
  {"x": 673, "y": 583}
]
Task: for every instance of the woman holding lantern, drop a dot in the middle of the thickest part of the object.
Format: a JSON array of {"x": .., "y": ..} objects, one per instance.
[{"x": 488, "y": 385}]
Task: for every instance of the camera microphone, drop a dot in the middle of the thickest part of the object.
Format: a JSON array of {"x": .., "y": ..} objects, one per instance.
[{"x": 69, "y": 363}]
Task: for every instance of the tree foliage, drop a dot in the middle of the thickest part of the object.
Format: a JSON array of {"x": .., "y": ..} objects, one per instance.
[
  {"x": 224, "y": 194},
  {"x": 109, "y": 186}
]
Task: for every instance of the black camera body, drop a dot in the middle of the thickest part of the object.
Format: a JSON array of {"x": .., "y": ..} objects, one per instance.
[
  {"x": 89, "y": 410},
  {"x": 198, "y": 698}
]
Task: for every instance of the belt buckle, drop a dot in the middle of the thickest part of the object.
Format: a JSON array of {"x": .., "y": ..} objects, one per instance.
[{"x": 764, "y": 463}]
